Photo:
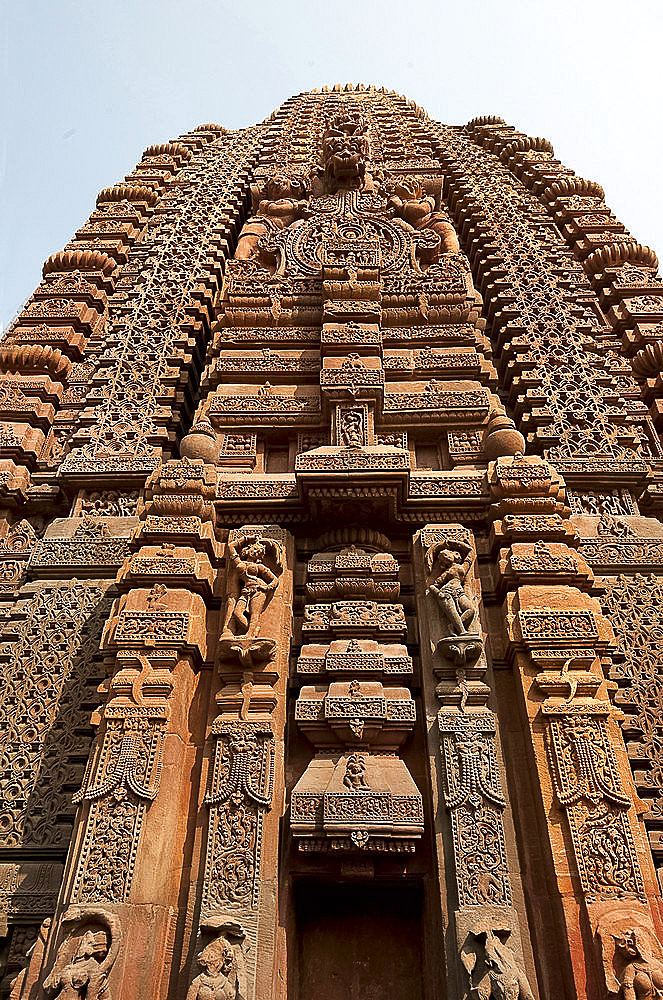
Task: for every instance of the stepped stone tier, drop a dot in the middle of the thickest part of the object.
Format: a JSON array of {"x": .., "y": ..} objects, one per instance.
[{"x": 331, "y": 548}]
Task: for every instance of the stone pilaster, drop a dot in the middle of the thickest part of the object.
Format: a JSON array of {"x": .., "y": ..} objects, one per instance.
[
  {"x": 244, "y": 800},
  {"x": 558, "y": 640},
  {"x": 121, "y": 895},
  {"x": 464, "y": 759}
]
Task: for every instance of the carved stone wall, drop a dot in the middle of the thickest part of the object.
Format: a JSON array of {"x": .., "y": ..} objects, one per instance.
[{"x": 283, "y": 432}]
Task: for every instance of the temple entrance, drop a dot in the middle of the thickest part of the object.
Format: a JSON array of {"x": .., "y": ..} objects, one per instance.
[{"x": 359, "y": 942}]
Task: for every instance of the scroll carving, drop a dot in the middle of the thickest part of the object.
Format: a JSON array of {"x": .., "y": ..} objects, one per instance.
[
  {"x": 123, "y": 778},
  {"x": 634, "y": 606},
  {"x": 475, "y": 801},
  {"x": 588, "y": 788},
  {"x": 242, "y": 784}
]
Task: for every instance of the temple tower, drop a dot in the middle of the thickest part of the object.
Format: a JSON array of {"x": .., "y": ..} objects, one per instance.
[{"x": 331, "y": 537}]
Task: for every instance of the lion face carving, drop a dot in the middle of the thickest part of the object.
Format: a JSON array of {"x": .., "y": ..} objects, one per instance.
[{"x": 345, "y": 149}]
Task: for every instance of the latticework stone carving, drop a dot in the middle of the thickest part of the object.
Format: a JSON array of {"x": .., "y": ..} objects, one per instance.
[{"x": 312, "y": 442}]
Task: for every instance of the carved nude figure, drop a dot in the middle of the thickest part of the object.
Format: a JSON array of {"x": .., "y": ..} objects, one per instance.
[
  {"x": 642, "y": 975},
  {"x": 251, "y": 583},
  {"x": 449, "y": 562}
]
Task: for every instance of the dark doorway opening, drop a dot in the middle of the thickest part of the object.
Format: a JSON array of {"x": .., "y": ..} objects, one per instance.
[{"x": 358, "y": 941}]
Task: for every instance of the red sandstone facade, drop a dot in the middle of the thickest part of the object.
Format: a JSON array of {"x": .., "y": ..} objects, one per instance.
[{"x": 332, "y": 573}]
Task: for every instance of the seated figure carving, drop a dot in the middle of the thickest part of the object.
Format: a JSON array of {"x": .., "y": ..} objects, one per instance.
[
  {"x": 410, "y": 203},
  {"x": 276, "y": 205}
]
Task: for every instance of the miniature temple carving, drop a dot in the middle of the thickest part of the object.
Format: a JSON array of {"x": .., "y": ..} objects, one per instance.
[{"x": 331, "y": 567}]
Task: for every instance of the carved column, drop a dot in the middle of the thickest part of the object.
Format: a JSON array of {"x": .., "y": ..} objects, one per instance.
[
  {"x": 484, "y": 950},
  {"x": 245, "y": 787},
  {"x": 118, "y": 913},
  {"x": 588, "y": 812}
]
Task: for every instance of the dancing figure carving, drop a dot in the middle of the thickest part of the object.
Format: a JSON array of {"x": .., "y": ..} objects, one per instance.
[{"x": 252, "y": 581}]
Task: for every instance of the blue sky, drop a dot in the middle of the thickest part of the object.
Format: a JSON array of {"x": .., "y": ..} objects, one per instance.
[{"x": 88, "y": 85}]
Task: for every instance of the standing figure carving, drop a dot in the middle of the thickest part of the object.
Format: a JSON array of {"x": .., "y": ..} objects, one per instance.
[
  {"x": 221, "y": 976},
  {"x": 252, "y": 581},
  {"x": 448, "y": 563},
  {"x": 85, "y": 957}
]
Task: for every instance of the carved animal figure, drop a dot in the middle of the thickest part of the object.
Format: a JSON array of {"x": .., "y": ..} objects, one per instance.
[
  {"x": 493, "y": 969},
  {"x": 345, "y": 151}
]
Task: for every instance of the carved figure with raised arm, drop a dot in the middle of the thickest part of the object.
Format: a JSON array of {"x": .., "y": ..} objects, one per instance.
[
  {"x": 251, "y": 581},
  {"x": 448, "y": 562},
  {"x": 410, "y": 203},
  {"x": 85, "y": 956}
]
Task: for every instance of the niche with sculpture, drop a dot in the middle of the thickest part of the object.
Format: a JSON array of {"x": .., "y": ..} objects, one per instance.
[
  {"x": 255, "y": 564},
  {"x": 85, "y": 956},
  {"x": 222, "y": 966}
]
